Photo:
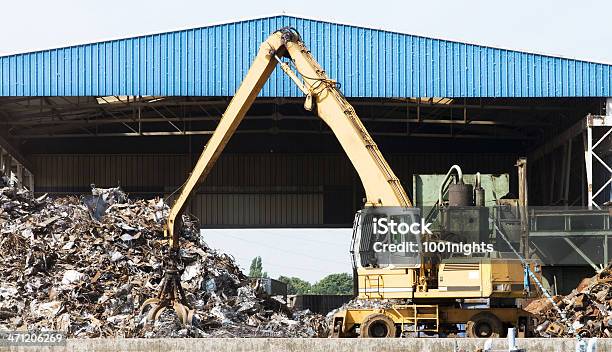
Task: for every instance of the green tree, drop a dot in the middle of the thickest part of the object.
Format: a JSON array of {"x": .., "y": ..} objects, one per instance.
[
  {"x": 256, "y": 269},
  {"x": 295, "y": 285},
  {"x": 334, "y": 284}
]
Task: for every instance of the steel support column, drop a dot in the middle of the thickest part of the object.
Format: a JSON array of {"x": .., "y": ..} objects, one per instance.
[
  {"x": 15, "y": 172},
  {"x": 521, "y": 164},
  {"x": 599, "y": 122}
]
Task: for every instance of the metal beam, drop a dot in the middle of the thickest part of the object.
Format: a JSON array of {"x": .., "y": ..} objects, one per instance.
[
  {"x": 270, "y": 131},
  {"x": 423, "y": 104},
  {"x": 174, "y": 101},
  {"x": 558, "y": 141},
  {"x": 11, "y": 158},
  {"x": 90, "y": 121},
  {"x": 581, "y": 253},
  {"x": 6, "y": 145}
]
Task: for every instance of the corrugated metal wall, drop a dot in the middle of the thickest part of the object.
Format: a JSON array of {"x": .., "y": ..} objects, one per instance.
[
  {"x": 212, "y": 61},
  {"x": 250, "y": 190},
  {"x": 161, "y": 172}
]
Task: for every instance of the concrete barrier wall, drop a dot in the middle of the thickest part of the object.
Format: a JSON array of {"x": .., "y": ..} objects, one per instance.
[{"x": 309, "y": 345}]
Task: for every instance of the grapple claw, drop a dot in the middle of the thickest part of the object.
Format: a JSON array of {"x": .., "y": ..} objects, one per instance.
[
  {"x": 184, "y": 313},
  {"x": 171, "y": 296},
  {"x": 151, "y": 302}
]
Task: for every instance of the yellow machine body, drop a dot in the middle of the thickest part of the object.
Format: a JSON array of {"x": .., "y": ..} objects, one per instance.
[{"x": 456, "y": 278}]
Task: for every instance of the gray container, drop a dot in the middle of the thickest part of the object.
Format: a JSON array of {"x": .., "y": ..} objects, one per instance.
[
  {"x": 460, "y": 195},
  {"x": 471, "y": 224}
]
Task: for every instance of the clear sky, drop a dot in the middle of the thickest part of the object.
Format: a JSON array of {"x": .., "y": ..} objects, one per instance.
[{"x": 576, "y": 29}]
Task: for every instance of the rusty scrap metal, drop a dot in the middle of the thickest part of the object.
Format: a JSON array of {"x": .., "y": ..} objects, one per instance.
[
  {"x": 85, "y": 266},
  {"x": 588, "y": 310}
]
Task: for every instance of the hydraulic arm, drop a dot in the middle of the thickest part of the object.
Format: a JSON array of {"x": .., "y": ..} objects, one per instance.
[{"x": 381, "y": 186}]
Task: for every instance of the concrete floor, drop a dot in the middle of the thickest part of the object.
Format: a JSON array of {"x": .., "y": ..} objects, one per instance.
[{"x": 310, "y": 345}]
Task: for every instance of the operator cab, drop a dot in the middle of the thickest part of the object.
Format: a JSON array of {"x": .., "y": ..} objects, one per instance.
[{"x": 387, "y": 237}]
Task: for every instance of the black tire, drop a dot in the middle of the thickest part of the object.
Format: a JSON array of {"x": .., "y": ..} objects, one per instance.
[
  {"x": 484, "y": 325},
  {"x": 377, "y": 326}
]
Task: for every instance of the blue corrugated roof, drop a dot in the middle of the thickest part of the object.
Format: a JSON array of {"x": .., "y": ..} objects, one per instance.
[{"x": 211, "y": 61}]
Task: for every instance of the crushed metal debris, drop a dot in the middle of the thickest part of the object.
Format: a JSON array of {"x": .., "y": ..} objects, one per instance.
[
  {"x": 374, "y": 303},
  {"x": 84, "y": 267},
  {"x": 359, "y": 303},
  {"x": 587, "y": 310}
]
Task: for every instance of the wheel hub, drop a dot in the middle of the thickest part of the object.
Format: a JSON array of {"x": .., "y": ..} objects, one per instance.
[
  {"x": 484, "y": 330},
  {"x": 378, "y": 329}
]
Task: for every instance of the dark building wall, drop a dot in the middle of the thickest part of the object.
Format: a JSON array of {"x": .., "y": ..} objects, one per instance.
[{"x": 251, "y": 190}]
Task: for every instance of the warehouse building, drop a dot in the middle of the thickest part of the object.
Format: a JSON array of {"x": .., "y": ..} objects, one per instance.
[{"x": 136, "y": 112}]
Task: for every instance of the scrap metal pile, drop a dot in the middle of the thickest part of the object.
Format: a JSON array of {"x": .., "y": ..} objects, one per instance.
[
  {"x": 587, "y": 310},
  {"x": 84, "y": 267}
]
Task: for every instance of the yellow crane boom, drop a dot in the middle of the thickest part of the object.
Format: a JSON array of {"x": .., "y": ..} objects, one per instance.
[{"x": 381, "y": 185}]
